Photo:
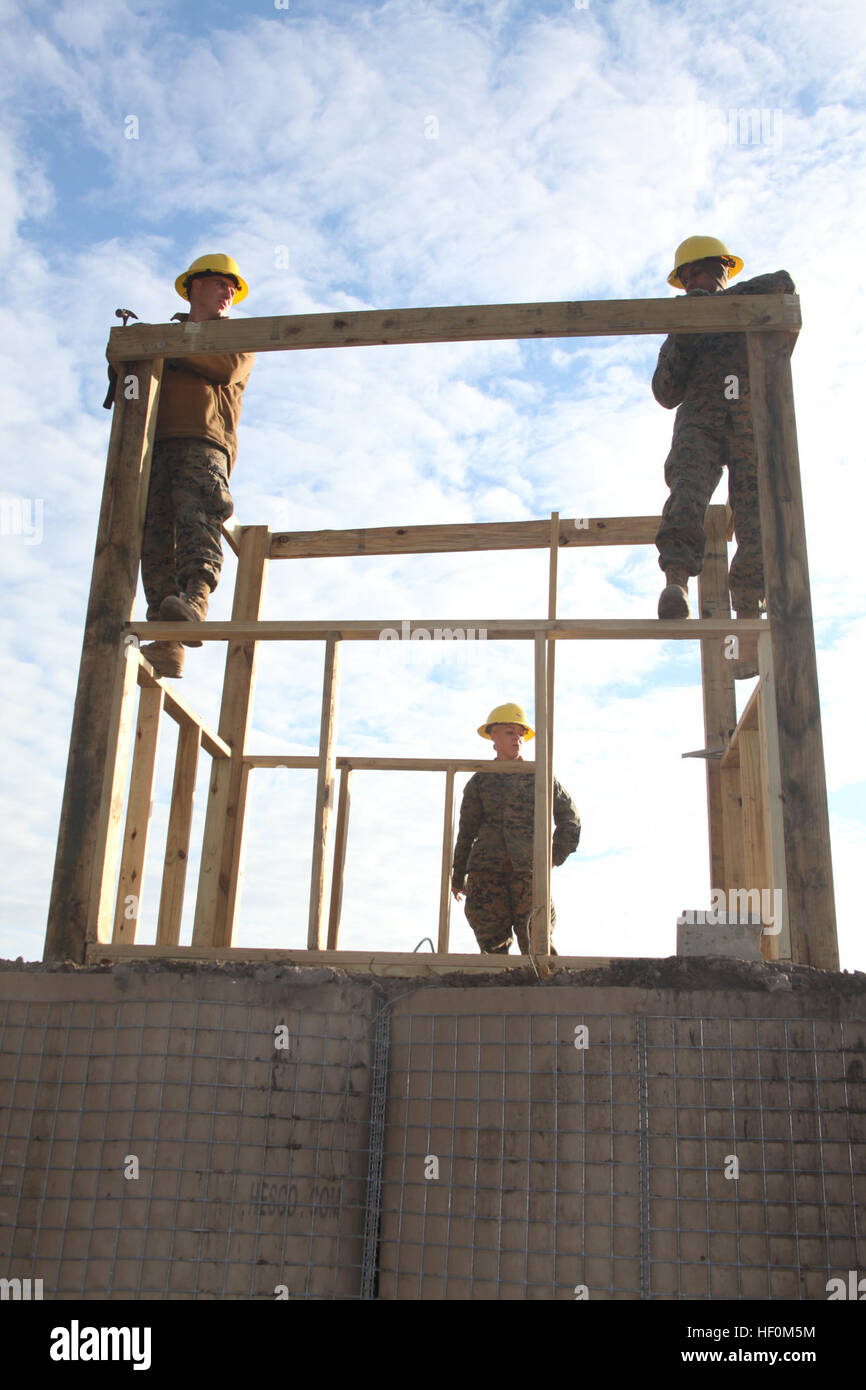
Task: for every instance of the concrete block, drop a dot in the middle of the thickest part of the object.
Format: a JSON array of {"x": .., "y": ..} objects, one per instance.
[{"x": 741, "y": 940}]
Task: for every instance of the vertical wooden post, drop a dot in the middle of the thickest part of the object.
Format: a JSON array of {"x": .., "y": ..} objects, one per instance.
[
  {"x": 138, "y": 814},
  {"x": 720, "y": 708},
  {"x": 77, "y": 912},
  {"x": 344, "y": 805},
  {"x": 778, "y": 945},
  {"x": 551, "y": 661},
  {"x": 177, "y": 841},
  {"x": 445, "y": 875},
  {"x": 732, "y": 821},
  {"x": 324, "y": 790},
  {"x": 217, "y": 901},
  {"x": 806, "y": 822},
  {"x": 540, "y": 926}
]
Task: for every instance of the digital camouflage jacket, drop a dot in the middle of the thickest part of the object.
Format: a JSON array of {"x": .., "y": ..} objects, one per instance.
[
  {"x": 497, "y": 817},
  {"x": 693, "y": 369}
]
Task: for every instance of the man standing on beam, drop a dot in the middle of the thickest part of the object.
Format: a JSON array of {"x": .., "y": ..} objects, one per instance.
[
  {"x": 707, "y": 376},
  {"x": 194, "y": 453}
]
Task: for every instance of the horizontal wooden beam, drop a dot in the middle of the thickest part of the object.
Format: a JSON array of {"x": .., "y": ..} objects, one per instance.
[
  {"x": 514, "y": 629},
  {"x": 177, "y": 707},
  {"x": 470, "y": 535},
  {"x": 357, "y": 962},
  {"x": 295, "y": 760},
  {"x": 459, "y": 324}
]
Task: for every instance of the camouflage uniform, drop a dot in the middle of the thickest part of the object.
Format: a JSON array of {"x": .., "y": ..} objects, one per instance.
[
  {"x": 709, "y": 432},
  {"x": 189, "y": 499},
  {"x": 195, "y": 450},
  {"x": 495, "y": 845}
]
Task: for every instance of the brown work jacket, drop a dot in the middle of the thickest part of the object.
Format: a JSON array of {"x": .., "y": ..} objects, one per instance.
[{"x": 200, "y": 398}]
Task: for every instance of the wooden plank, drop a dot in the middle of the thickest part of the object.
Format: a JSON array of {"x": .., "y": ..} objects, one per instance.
[
  {"x": 128, "y": 906},
  {"x": 551, "y": 662},
  {"x": 179, "y": 710},
  {"x": 778, "y": 945},
  {"x": 506, "y": 629},
  {"x": 121, "y": 719},
  {"x": 382, "y": 963},
  {"x": 303, "y": 760},
  {"x": 341, "y": 833},
  {"x": 217, "y": 901},
  {"x": 447, "y": 852},
  {"x": 93, "y": 747},
  {"x": 733, "y": 825},
  {"x": 459, "y": 324},
  {"x": 539, "y": 935},
  {"x": 574, "y": 533},
  {"x": 754, "y": 813},
  {"x": 810, "y": 895},
  {"x": 717, "y": 681},
  {"x": 324, "y": 790},
  {"x": 177, "y": 840}
]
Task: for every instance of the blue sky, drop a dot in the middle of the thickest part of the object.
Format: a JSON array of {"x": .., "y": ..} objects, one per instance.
[{"x": 409, "y": 153}]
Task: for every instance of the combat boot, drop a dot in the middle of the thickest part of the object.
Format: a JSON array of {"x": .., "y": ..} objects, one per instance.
[
  {"x": 674, "y": 598},
  {"x": 166, "y": 658},
  {"x": 190, "y": 607}
]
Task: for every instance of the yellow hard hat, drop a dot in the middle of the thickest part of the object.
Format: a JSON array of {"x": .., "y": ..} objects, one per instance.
[
  {"x": 507, "y": 714},
  {"x": 699, "y": 248},
  {"x": 219, "y": 265}
]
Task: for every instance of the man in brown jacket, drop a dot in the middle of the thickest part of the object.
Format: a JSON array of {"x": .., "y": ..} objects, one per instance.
[{"x": 193, "y": 455}]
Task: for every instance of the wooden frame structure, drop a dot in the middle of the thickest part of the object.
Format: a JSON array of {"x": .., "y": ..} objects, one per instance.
[{"x": 767, "y": 803}]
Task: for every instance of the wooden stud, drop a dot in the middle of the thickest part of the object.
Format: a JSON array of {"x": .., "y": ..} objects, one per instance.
[
  {"x": 755, "y": 836},
  {"x": 540, "y": 926},
  {"x": 78, "y": 905},
  {"x": 341, "y": 833},
  {"x": 309, "y": 760},
  {"x": 551, "y": 662},
  {"x": 574, "y": 533},
  {"x": 217, "y": 901},
  {"x": 778, "y": 945},
  {"x": 324, "y": 790},
  {"x": 178, "y": 709},
  {"x": 447, "y": 852},
  {"x": 177, "y": 841},
  {"x": 121, "y": 718},
  {"x": 461, "y": 324},
  {"x": 138, "y": 814},
  {"x": 732, "y": 823},
  {"x": 810, "y": 896},
  {"x": 505, "y": 629},
  {"x": 717, "y": 681}
]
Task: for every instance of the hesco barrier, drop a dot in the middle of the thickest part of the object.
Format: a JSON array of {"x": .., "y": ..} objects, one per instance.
[{"x": 260, "y": 1132}]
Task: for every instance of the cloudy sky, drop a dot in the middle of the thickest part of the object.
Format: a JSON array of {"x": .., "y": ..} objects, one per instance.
[{"x": 426, "y": 152}]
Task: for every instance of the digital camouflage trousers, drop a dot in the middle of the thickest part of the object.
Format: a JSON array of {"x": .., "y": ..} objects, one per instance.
[
  {"x": 188, "y": 500},
  {"x": 496, "y": 902},
  {"x": 692, "y": 472}
]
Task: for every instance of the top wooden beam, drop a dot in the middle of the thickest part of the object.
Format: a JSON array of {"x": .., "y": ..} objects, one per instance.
[{"x": 459, "y": 324}]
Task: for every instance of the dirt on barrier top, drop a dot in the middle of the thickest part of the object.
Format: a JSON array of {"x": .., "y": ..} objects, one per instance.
[{"x": 680, "y": 973}]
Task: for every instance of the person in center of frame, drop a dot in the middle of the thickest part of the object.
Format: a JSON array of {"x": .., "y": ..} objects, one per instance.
[{"x": 494, "y": 851}]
